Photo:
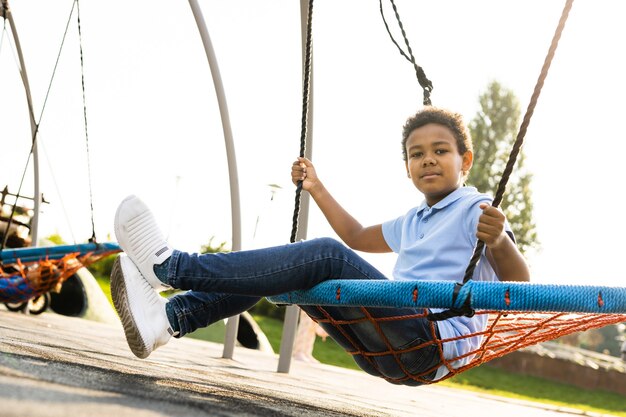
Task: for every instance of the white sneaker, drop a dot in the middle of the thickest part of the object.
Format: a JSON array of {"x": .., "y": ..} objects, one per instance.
[
  {"x": 140, "y": 307},
  {"x": 141, "y": 239}
]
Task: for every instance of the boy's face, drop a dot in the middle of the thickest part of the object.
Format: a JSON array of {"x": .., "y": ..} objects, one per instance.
[{"x": 434, "y": 163}]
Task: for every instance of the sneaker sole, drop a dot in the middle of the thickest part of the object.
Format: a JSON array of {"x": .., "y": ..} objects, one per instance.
[{"x": 122, "y": 305}]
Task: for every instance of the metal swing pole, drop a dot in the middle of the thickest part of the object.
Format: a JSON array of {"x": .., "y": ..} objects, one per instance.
[
  {"x": 34, "y": 227},
  {"x": 292, "y": 313},
  {"x": 235, "y": 205}
]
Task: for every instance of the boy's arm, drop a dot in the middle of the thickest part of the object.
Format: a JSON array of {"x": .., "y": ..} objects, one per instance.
[
  {"x": 502, "y": 253},
  {"x": 366, "y": 239}
]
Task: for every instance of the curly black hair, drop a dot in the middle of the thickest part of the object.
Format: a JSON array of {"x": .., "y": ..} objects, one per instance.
[{"x": 446, "y": 118}]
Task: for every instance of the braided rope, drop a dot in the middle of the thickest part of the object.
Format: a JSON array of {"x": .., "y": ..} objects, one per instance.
[
  {"x": 37, "y": 124},
  {"x": 424, "y": 82},
  {"x": 305, "y": 110},
  {"x": 82, "y": 80},
  {"x": 507, "y": 330},
  {"x": 469, "y": 272}
]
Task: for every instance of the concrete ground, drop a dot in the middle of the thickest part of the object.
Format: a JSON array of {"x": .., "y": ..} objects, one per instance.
[{"x": 57, "y": 366}]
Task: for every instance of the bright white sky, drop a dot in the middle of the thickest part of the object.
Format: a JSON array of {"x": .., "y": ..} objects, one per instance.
[{"x": 155, "y": 131}]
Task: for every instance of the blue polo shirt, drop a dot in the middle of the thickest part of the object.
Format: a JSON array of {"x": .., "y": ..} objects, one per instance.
[{"x": 436, "y": 243}]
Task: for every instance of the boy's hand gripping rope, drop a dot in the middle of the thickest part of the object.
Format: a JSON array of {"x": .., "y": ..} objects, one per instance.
[{"x": 305, "y": 109}]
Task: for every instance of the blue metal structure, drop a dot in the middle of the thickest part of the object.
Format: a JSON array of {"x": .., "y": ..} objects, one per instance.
[{"x": 9, "y": 256}]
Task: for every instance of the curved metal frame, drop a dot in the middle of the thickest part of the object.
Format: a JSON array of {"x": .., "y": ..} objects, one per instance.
[
  {"x": 34, "y": 229},
  {"x": 292, "y": 314},
  {"x": 235, "y": 202}
]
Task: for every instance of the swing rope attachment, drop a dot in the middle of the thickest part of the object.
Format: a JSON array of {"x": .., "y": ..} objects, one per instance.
[
  {"x": 357, "y": 315},
  {"x": 466, "y": 310},
  {"x": 424, "y": 82}
]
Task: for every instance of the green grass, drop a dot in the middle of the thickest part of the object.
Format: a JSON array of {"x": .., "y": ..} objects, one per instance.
[
  {"x": 105, "y": 286},
  {"x": 483, "y": 379},
  {"x": 486, "y": 379},
  {"x": 327, "y": 352}
]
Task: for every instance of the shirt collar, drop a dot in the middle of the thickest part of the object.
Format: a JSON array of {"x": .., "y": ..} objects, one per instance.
[{"x": 449, "y": 199}]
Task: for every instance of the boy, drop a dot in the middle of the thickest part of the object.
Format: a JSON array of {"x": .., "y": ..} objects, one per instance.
[{"x": 434, "y": 241}]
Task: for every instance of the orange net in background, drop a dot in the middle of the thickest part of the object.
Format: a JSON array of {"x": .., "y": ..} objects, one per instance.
[{"x": 20, "y": 282}]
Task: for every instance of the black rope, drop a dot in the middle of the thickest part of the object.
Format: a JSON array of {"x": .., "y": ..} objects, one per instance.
[
  {"x": 424, "y": 82},
  {"x": 465, "y": 309},
  {"x": 82, "y": 79},
  {"x": 469, "y": 272},
  {"x": 305, "y": 109},
  {"x": 34, "y": 138}
]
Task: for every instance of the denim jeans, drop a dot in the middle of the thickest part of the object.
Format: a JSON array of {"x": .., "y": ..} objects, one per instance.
[{"x": 221, "y": 285}]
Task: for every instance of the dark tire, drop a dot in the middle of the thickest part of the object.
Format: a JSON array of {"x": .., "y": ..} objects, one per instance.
[{"x": 16, "y": 306}]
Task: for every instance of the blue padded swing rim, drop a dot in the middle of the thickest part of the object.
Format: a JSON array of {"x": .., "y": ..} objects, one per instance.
[
  {"x": 8, "y": 256},
  {"x": 501, "y": 296}
]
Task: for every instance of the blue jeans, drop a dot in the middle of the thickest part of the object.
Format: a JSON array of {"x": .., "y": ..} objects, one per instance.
[{"x": 221, "y": 285}]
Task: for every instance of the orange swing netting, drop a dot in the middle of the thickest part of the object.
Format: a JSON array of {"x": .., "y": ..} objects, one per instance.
[
  {"x": 22, "y": 281},
  {"x": 363, "y": 334},
  {"x": 505, "y": 332}
]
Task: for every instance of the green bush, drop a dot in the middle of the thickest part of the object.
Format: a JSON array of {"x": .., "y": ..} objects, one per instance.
[
  {"x": 102, "y": 268},
  {"x": 266, "y": 309}
]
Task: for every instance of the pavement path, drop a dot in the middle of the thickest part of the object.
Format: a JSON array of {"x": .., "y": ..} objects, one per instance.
[{"x": 57, "y": 366}]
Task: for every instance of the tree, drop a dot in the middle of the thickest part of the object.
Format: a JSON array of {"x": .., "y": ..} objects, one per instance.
[
  {"x": 102, "y": 269},
  {"x": 56, "y": 239},
  {"x": 209, "y": 248},
  {"x": 493, "y": 130}
]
